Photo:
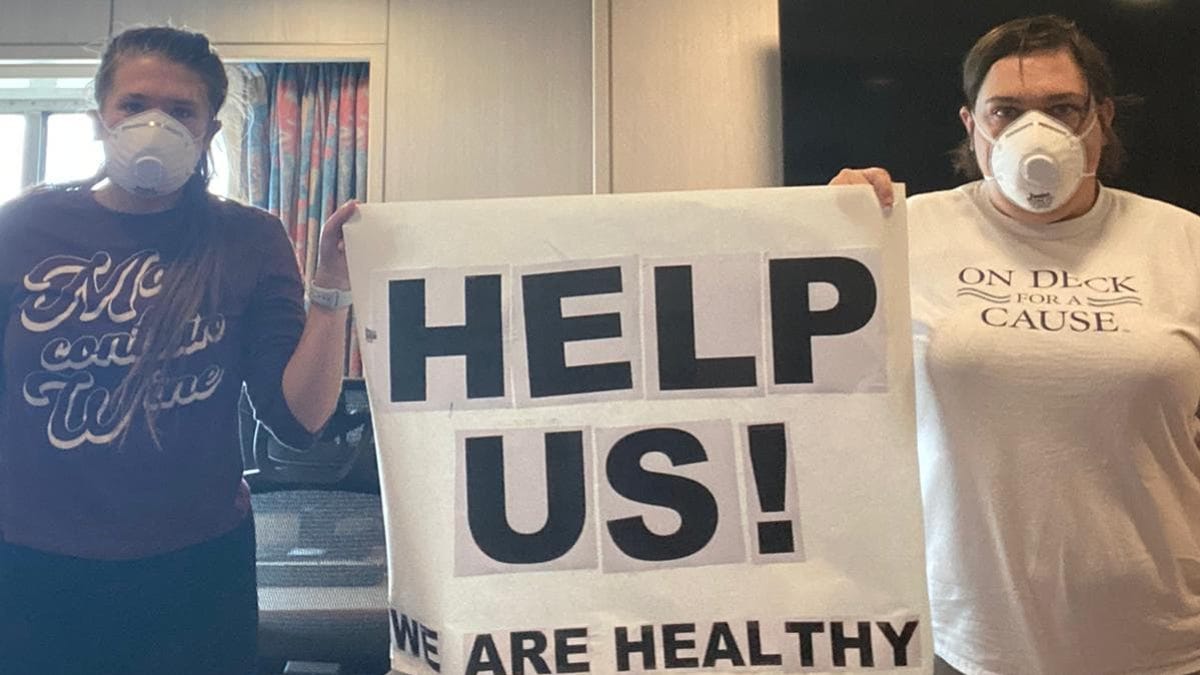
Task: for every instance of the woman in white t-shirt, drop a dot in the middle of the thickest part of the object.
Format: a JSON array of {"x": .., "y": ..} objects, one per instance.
[{"x": 1057, "y": 345}]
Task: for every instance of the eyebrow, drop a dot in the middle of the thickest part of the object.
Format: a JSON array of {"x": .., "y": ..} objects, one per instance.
[
  {"x": 1063, "y": 97},
  {"x": 172, "y": 101}
]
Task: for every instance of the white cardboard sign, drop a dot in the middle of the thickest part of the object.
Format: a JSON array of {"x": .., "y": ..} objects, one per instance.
[{"x": 645, "y": 433}]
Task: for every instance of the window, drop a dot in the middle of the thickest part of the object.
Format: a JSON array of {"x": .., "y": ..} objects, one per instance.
[
  {"x": 46, "y": 136},
  {"x": 72, "y": 152},
  {"x": 12, "y": 142}
]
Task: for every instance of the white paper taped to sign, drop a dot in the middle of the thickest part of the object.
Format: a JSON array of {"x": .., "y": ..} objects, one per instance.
[{"x": 645, "y": 433}]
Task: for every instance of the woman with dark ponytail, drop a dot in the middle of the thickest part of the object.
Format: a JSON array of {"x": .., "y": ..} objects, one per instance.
[{"x": 134, "y": 307}]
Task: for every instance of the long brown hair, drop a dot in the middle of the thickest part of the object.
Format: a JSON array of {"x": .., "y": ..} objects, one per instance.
[{"x": 191, "y": 282}]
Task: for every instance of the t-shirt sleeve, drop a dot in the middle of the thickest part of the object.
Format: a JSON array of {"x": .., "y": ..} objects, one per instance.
[{"x": 273, "y": 324}]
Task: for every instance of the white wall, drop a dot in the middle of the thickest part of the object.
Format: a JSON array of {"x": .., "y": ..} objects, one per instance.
[
  {"x": 489, "y": 98},
  {"x": 695, "y": 94},
  {"x": 38, "y": 22},
  {"x": 262, "y": 21},
  {"x": 482, "y": 98},
  {"x": 521, "y": 97}
]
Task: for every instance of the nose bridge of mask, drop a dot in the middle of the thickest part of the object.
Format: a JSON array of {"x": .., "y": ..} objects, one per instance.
[
  {"x": 1026, "y": 119},
  {"x": 152, "y": 118},
  {"x": 1041, "y": 118}
]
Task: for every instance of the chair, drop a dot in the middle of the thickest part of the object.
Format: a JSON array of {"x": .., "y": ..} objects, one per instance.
[{"x": 322, "y": 569}]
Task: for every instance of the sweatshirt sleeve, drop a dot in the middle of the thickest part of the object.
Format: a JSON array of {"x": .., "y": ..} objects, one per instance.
[
  {"x": 9, "y": 249},
  {"x": 274, "y": 321},
  {"x": 6, "y": 287}
]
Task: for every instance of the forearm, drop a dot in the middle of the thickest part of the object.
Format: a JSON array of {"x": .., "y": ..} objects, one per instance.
[{"x": 312, "y": 378}]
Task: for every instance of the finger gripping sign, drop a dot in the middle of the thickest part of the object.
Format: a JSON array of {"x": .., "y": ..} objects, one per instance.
[{"x": 645, "y": 433}]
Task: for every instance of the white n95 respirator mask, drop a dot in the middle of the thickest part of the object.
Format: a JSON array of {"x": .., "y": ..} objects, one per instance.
[
  {"x": 150, "y": 153},
  {"x": 1037, "y": 162}
]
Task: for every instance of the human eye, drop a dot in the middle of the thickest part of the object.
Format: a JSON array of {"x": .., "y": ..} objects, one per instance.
[
  {"x": 131, "y": 106},
  {"x": 1068, "y": 113},
  {"x": 1065, "y": 110},
  {"x": 182, "y": 113},
  {"x": 1005, "y": 113}
]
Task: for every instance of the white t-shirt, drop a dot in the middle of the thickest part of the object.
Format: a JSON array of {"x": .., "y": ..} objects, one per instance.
[{"x": 1058, "y": 379}]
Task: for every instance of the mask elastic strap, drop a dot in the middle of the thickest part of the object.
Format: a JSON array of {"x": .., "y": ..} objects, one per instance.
[
  {"x": 1082, "y": 175},
  {"x": 1088, "y": 129},
  {"x": 1083, "y": 134},
  {"x": 982, "y": 131}
]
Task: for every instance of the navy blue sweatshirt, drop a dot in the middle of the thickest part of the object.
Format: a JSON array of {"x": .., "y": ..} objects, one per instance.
[{"x": 75, "y": 279}]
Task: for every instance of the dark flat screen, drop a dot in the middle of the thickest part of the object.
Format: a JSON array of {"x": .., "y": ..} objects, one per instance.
[{"x": 877, "y": 83}]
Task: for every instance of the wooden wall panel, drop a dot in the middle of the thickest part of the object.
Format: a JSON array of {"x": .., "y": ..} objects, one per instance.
[
  {"x": 695, "y": 94},
  {"x": 37, "y": 22},
  {"x": 263, "y": 21},
  {"x": 489, "y": 99}
]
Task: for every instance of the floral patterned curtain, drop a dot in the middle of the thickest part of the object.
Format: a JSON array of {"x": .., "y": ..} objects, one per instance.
[{"x": 304, "y": 150}]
